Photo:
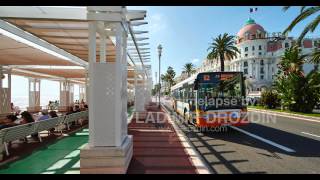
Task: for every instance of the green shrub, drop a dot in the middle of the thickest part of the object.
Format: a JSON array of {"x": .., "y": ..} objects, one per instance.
[{"x": 270, "y": 99}]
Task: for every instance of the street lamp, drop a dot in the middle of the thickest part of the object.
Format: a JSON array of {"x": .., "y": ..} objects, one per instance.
[{"x": 159, "y": 53}]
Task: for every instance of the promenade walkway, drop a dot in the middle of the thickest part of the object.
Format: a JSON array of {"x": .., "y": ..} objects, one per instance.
[{"x": 156, "y": 149}]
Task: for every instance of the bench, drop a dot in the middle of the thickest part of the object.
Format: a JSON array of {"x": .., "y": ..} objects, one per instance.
[
  {"x": 14, "y": 133},
  {"x": 22, "y": 131}
]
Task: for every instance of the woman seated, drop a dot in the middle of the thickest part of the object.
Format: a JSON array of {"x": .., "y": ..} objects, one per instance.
[
  {"x": 53, "y": 114},
  {"x": 45, "y": 115},
  {"x": 26, "y": 117},
  {"x": 9, "y": 122}
]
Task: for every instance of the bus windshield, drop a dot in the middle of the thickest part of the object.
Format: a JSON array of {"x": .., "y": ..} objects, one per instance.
[{"x": 220, "y": 91}]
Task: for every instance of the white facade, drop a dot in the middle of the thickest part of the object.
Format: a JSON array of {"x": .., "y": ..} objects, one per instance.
[{"x": 259, "y": 56}]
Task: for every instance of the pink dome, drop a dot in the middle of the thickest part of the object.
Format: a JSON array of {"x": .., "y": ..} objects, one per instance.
[{"x": 251, "y": 27}]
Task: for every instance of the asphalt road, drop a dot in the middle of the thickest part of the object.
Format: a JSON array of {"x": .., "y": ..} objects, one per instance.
[{"x": 270, "y": 144}]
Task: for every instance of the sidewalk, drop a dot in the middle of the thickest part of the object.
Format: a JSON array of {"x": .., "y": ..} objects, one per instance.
[{"x": 157, "y": 148}]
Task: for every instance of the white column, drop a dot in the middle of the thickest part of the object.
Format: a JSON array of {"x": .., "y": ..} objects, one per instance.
[
  {"x": 257, "y": 71},
  {"x": 71, "y": 94},
  {"x": 267, "y": 71},
  {"x": 87, "y": 87},
  {"x": 66, "y": 95},
  {"x": 82, "y": 92},
  {"x": 34, "y": 95},
  {"x": 139, "y": 92},
  {"x": 110, "y": 148},
  {"x": 250, "y": 68},
  {"x": 5, "y": 91}
]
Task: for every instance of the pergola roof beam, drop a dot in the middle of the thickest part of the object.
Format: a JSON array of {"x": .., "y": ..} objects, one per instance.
[
  {"x": 140, "y": 32},
  {"x": 42, "y": 12},
  {"x": 138, "y": 23},
  {"x": 31, "y": 40},
  {"x": 138, "y": 44},
  {"x": 139, "y": 38}
]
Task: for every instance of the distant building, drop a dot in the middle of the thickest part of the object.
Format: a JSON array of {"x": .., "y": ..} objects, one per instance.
[{"x": 260, "y": 52}]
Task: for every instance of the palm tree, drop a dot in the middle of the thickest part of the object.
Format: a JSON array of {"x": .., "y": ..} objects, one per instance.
[
  {"x": 189, "y": 69},
  {"x": 315, "y": 59},
  {"x": 305, "y": 12},
  {"x": 170, "y": 74},
  {"x": 221, "y": 47},
  {"x": 292, "y": 61},
  {"x": 164, "y": 78}
]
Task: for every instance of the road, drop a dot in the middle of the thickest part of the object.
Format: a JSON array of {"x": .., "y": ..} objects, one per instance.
[{"x": 270, "y": 144}]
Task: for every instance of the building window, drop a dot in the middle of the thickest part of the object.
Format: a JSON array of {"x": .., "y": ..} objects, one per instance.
[
  {"x": 261, "y": 62},
  {"x": 261, "y": 77},
  {"x": 252, "y": 48},
  {"x": 245, "y": 49},
  {"x": 246, "y": 55},
  {"x": 262, "y": 70},
  {"x": 260, "y": 53},
  {"x": 245, "y": 64},
  {"x": 245, "y": 71},
  {"x": 260, "y": 47},
  {"x": 286, "y": 45}
]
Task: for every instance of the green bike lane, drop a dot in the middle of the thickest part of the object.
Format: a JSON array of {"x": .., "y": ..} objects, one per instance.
[{"x": 60, "y": 157}]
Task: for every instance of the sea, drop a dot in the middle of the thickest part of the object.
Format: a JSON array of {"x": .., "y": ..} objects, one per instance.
[{"x": 23, "y": 101}]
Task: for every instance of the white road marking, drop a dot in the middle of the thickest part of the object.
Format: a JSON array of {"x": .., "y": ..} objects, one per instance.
[
  {"x": 264, "y": 140},
  {"x": 311, "y": 134},
  {"x": 287, "y": 116}
]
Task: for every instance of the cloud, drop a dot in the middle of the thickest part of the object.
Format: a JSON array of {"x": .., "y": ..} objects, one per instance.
[
  {"x": 157, "y": 23},
  {"x": 194, "y": 61}
]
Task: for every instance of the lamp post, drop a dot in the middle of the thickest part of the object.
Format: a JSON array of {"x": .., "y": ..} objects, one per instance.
[
  {"x": 159, "y": 53},
  {"x": 155, "y": 87}
]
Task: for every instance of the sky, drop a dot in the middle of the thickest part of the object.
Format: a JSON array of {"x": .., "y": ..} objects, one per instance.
[{"x": 185, "y": 33}]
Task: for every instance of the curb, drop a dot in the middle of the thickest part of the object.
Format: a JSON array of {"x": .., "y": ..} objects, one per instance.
[
  {"x": 297, "y": 116},
  {"x": 195, "y": 158}
]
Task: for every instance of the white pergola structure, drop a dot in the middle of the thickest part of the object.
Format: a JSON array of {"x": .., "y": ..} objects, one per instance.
[{"x": 98, "y": 40}]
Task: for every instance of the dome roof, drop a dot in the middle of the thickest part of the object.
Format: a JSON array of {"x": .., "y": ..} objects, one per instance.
[{"x": 250, "y": 27}]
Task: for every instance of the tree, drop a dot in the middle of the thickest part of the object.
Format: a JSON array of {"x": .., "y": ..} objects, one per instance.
[
  {"x": 269, "y": 98},
  {"x": 297, "y": 91},
  {"x": 305, "y": 12},
  {"x": 164, "y": 78},
  {"x": 155, "y": 90},
  {"x": 315, "y": 59},
  {"x": 189, "y": 69},
  {"x": 292, "y": 61},
  {"x": 221, "y": 47},
  {"x": 170, "y": 74}
]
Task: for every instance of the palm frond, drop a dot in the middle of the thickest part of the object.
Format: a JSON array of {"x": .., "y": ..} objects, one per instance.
[{"x": 303, "y": 15}]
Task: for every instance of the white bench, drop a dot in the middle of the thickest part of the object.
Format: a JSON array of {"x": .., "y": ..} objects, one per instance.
[
  {"x": 14, "y": 133},
  {"x": 46, "y": 125},
  {"x": 22, "y": 131}
]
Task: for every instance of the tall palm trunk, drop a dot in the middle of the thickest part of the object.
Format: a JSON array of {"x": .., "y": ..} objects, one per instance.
[{"x": 222, "y": 62}]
